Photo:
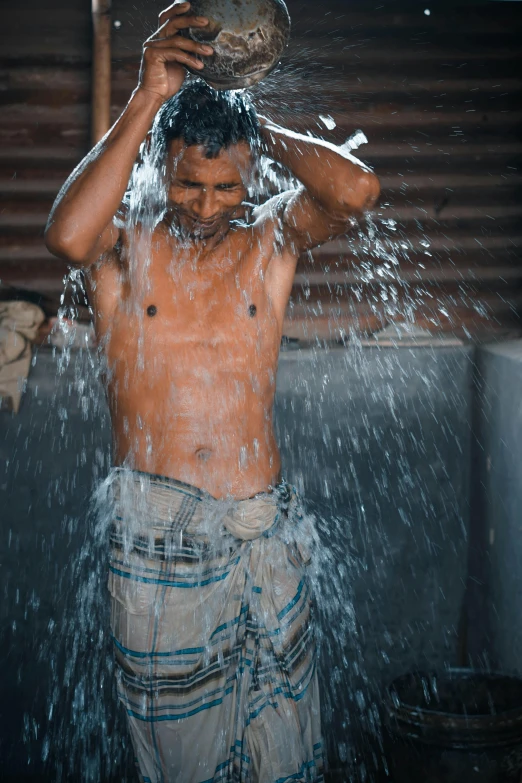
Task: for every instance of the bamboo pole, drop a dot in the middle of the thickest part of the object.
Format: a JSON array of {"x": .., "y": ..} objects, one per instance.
[{"x": 101, "y": 69}]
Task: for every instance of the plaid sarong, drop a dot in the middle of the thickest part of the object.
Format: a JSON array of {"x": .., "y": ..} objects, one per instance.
[{"x": 211, "y": 616}]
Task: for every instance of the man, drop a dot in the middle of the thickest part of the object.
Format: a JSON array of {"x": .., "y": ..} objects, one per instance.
[{"x": 210, "y": 598}]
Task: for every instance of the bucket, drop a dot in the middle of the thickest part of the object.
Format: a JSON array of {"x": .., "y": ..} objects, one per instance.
[{"x": 460, "y": 726}]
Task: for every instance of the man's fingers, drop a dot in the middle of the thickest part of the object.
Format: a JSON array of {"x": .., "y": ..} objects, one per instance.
[
  {"x": 173, "y": 26},
  {"x": 173, "y": 55},
  {"x": 173, "y": 10},
  {"x": 178, "y": 42},
  {"x": 178, "y": 16},
  {"x": 168, "y": 46},
  {"x": 170, "y": 29}
]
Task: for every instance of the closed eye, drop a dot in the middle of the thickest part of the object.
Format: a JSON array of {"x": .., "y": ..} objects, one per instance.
[{"x": 188, "y": 183}]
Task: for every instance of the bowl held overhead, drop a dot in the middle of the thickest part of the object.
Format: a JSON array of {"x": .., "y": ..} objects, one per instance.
[{"x": 248, "y": 38}]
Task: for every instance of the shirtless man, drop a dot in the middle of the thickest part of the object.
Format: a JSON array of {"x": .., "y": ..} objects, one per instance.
[{"x": 219, "y": 680}]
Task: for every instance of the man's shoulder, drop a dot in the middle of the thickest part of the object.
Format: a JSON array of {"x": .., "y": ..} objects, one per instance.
[{"x": 269, "y": 223}]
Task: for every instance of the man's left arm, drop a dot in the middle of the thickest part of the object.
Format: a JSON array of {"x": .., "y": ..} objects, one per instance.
[{"x": 335, "y": 186}]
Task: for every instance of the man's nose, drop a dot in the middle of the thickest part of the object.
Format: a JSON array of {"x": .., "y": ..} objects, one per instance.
[{"x": 206, "y": 204}]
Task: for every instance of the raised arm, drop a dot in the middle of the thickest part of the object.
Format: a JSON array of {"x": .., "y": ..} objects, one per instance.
[
  {"x": 335, "y": 186},
  {"x": 80, "y": 227}
]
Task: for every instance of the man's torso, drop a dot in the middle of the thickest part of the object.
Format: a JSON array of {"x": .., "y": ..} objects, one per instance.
[{"x": 191, "y": 348}]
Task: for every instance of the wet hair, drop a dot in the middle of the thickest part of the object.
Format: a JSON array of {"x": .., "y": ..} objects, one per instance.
[{"x": 202, "y": 116}]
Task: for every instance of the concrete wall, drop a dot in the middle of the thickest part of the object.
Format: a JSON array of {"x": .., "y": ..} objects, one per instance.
[
  {"x": 380, "y": 441},
  {"x": 51, "y": 454},
  {"x": 497, "y": 564},
  {"x": 377, "y": 439}
]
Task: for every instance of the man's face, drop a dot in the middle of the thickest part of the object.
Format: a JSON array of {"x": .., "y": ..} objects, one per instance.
[{"x": 205, "y": 194}]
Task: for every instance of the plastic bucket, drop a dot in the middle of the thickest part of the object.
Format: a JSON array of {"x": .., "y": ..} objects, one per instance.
[{"x": 460, "y": 726}]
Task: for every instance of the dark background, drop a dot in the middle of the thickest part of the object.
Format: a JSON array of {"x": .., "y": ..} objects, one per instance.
[{"x": 438, "y": 97}]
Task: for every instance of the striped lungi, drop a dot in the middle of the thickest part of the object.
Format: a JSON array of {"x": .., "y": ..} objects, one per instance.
[{"x": 211, "y": 616}]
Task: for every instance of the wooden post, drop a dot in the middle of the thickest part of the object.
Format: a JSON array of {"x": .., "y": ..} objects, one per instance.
[{"x": 101, "y": 69}]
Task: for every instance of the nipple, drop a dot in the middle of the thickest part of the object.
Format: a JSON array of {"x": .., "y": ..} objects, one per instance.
[
  {"x": 152, "y": 310},
  {"x": 252, "y": 310}
]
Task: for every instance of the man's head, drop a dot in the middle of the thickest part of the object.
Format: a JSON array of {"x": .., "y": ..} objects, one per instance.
[{"x": 208, "y": 137}]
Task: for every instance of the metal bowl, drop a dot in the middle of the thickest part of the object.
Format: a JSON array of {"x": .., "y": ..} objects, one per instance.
[{"x": 248, "y": 38}]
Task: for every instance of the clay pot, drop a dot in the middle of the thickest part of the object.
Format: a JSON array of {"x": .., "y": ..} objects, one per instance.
[{"x": 248, "y": 38}]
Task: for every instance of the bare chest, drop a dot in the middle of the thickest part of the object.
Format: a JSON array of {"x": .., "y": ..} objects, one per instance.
[{"x": 190, "y": 317}]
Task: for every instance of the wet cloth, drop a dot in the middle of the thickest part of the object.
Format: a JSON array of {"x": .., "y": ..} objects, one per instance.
[
  {"x": 211, "y": 616},
  {"x": 19, "y": 322}
]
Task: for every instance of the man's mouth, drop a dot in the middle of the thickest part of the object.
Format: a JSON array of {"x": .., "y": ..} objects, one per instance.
[
  {"x": 199, "y": 228},
  {"x": 205, "y": 228},
  {"x": 206, "y": 223}
]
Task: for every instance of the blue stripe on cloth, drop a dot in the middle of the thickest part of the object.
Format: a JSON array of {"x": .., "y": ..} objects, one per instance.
[
  {"x": 169, "y": 583},
  {"x": 264, "y": 633},
  {"x": 134, "y": 568},
  {"x": 287, "y": 659},
  {"x": 285, "y": 693},
  {"x": 259, "y": 629},
  {"x": 157, "y": 571},
  {"x": 188, "y": 681},
  {"x": 222, "y": 691},
  {"x": 304, "y": 643},
  {"x": 189, "y": 714},
  {"x": 239, "y": 744},
  {"x": 253, "y": 715},
  {"x": 219, "y": 768},
  {"x": 306, "y": 765},
  {"x": 308, "y": 674},
  {"x": 230, "y": 623},
  {"x": 293, "y": 602},
  {"x": 304, "y": 596},
  {"x": 168, "y": 653},
  {"x": 136, "y": 654}
]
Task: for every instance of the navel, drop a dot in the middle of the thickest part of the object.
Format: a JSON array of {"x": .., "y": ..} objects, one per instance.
[
  {"x": 252, "y": 310},
  {"x": 203, "y": 454},
  {"x": 152, "y": 310}
]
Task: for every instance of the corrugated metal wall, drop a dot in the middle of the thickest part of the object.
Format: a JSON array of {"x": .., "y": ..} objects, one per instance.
[{"x": 438, "y": 97}]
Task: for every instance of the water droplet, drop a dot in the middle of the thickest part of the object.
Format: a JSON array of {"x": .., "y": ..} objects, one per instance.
[{"x": 328, "y": 121}]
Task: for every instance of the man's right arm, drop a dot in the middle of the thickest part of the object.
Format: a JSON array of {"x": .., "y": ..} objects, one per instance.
[{"x": 80, "y": 227}]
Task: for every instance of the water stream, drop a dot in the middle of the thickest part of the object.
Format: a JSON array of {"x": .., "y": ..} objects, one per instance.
[{"x": 352, "y": 459}]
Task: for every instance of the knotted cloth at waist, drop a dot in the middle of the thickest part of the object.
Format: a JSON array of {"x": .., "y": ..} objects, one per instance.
[{"x": 162, "y": 509}]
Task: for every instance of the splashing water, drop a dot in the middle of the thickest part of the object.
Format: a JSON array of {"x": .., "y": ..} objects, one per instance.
[{"x": 85, "y": 737}]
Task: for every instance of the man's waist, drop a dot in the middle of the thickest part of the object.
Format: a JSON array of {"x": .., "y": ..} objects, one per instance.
[{"x": 146, "y": 502}]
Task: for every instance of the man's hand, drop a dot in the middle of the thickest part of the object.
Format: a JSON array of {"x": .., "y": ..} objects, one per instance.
[{"x": 166, "y": 52}]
